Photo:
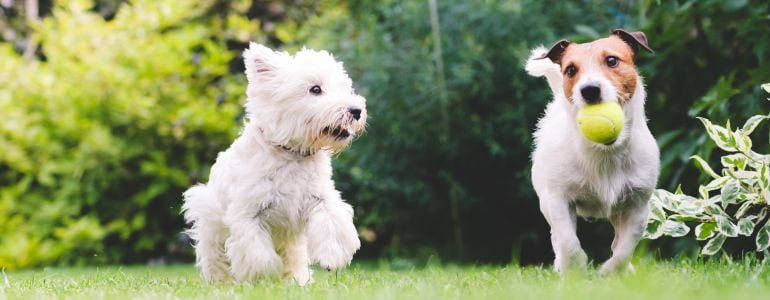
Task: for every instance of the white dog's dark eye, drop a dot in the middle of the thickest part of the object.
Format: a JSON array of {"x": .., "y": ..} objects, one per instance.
[
  {"x": 571, "y": 70},
  {"x": 612, "y": 61},
  {"x": 316, "y": 90}
]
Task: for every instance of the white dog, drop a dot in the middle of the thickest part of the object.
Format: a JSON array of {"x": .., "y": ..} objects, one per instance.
[
  {"x": 270, "y": 207},
  {"x": 573, "y": 176}
]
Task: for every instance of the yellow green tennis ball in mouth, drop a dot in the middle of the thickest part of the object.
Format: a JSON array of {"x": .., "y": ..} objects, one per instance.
[{"x": 601, "y": 123}]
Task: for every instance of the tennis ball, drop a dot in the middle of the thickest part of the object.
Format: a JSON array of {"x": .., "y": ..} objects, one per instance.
[{"x": 601, "y": 123}]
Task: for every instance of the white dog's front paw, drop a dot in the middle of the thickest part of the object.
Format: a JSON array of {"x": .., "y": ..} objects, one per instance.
[
  {"x": 301, "y": 277},
  {"x": 575, "y": 261},
  {"x": 214, "y": 275},
  {"x": 333, "y": 256},
  {"x": 336, "y": 250}
]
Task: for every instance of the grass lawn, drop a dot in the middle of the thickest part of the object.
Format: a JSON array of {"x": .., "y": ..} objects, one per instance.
[{"x": 652, "y": 280}]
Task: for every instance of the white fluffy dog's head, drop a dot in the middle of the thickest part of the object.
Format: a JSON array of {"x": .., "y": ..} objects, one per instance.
[{"x": 304, "y": 102}]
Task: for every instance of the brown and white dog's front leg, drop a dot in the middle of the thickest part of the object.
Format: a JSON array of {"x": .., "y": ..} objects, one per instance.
[
  {"x": 562, "y": 218},
  {"x": 629, "y": 224}
]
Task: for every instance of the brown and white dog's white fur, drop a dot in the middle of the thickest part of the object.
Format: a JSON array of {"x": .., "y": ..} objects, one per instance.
[{"x": 573, "y": 176}]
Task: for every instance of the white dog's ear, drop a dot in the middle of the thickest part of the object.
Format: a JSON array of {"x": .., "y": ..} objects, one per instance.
[{"x": 260, "y": 60}]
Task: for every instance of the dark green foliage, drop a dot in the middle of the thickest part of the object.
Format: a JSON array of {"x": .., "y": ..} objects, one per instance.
[{"x": 446, "y": 165}]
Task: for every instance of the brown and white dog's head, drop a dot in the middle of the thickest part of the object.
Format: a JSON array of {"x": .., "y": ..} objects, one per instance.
[{"x": 601, "y": 70}]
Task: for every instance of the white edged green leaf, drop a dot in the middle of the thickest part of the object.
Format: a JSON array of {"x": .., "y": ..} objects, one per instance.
[
  {"x": 743, "y": 209},
  {"x": 747, "y": 197},
  {"x": 665, "y": 198},
  {"x": 653, "y": 230},
  {"x": 683, "y": 218},
  {"x": 763, "y": 237},
  {"x": 752, "y": 124},
  {"x": 657, "y": 212},
  {"x": 742, "y": 142},
  {"x": 713, "y": 210},
  {"x": 745, "y": 226},
  {"x": 762, "y": 213},
  {"x": 717, "y": 183},
  {"x": 691, "y": 207},
  {"x": 675, "y": 228},
  {"x": 721, "y": 136},
  {"x": 705, "y": 230},
  {"x": 678, "y": 190},
  {"x": 713, "y": 245},
  {"x": 766, "y": 87},
  {"x": 730, "y": 192},
  {"x": 704, "y": 193},
  {"x": 704, "y": 166},
  {"x": 726, "y": 227},
  {"x": 734, "y": 161},
  {"x": 746, "y": 175}
]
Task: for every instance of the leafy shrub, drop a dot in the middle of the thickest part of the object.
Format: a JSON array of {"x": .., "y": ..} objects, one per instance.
[
  {"x": 710, "y": 58},
  {"x": 735, "y": 202},
  {"x": 100, "y": 136}
]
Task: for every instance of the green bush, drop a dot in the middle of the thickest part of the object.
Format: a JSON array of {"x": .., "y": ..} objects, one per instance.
[
  {"x": 101, "y": 135},
  {"x": 740, "y": 203}
]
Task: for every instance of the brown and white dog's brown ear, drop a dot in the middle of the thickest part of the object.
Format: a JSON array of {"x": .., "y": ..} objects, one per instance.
[
  {"x": 635, "y": 39},
  {"x": 556, "y": 52}
]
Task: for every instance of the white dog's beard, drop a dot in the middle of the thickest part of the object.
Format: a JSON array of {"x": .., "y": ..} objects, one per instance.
[
  {"x": 334, "y": 138},
  {"x": 337, "y": 133}
]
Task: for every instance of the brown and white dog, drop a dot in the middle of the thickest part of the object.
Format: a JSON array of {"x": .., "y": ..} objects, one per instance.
[{"x": 576, "y": 177}]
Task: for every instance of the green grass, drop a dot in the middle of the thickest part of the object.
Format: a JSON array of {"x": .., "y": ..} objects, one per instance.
[{"x": 653, "y": 280}]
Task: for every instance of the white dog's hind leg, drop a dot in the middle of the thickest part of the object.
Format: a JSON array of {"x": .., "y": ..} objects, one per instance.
[
  {"x": 202, "y": 209},
  {"x": 629, "y": 226},
  {"x": 250, "y": 249},
  {"x": 332, "y": 237},
  {"x": 296, "y": 264},
  {"x": 566, "y": 245},
  {"x": 210, "y": 251}
]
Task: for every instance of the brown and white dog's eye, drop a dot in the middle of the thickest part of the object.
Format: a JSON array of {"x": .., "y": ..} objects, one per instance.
[
  {"x": 316, "y": 90},
  {"x": 571, "y": 70},
  {"x": 612, "y": 61}
]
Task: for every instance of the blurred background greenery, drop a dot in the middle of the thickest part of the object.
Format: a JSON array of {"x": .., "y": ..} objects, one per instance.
[{"x": 109, "y": 109}]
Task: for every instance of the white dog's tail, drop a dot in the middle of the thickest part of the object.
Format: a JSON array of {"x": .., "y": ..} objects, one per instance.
[
  {"x": 537, "y": 66},
  {"x": 200, "y": 205}
]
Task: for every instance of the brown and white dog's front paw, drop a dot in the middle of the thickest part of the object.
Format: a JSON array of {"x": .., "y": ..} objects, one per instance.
[{"x": 612, "y": 266}]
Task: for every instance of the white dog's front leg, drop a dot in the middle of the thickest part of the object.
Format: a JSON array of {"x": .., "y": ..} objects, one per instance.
[
  {"x": 296, "y": 263},
  {"x": 629, "y": 226},
  {"x": 566, "y": 246},
  {"x": 250, "y": 249},
  {"x": 332, "y": 237}
]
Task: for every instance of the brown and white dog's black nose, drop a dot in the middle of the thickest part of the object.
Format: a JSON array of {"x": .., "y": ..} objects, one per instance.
[
  {"x": 591, "y": 94},
  {"x": 356, "y": 112}
]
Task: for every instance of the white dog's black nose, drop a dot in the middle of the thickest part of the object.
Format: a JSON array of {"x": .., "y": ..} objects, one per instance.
[
  {"x": 591, "y": 94},
  {"x": 356, "y": 112}
]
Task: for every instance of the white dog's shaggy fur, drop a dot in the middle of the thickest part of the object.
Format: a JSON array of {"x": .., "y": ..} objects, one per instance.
[
  {"x": 573, "y": 176},
  {"x": 270, "y": 207}
]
